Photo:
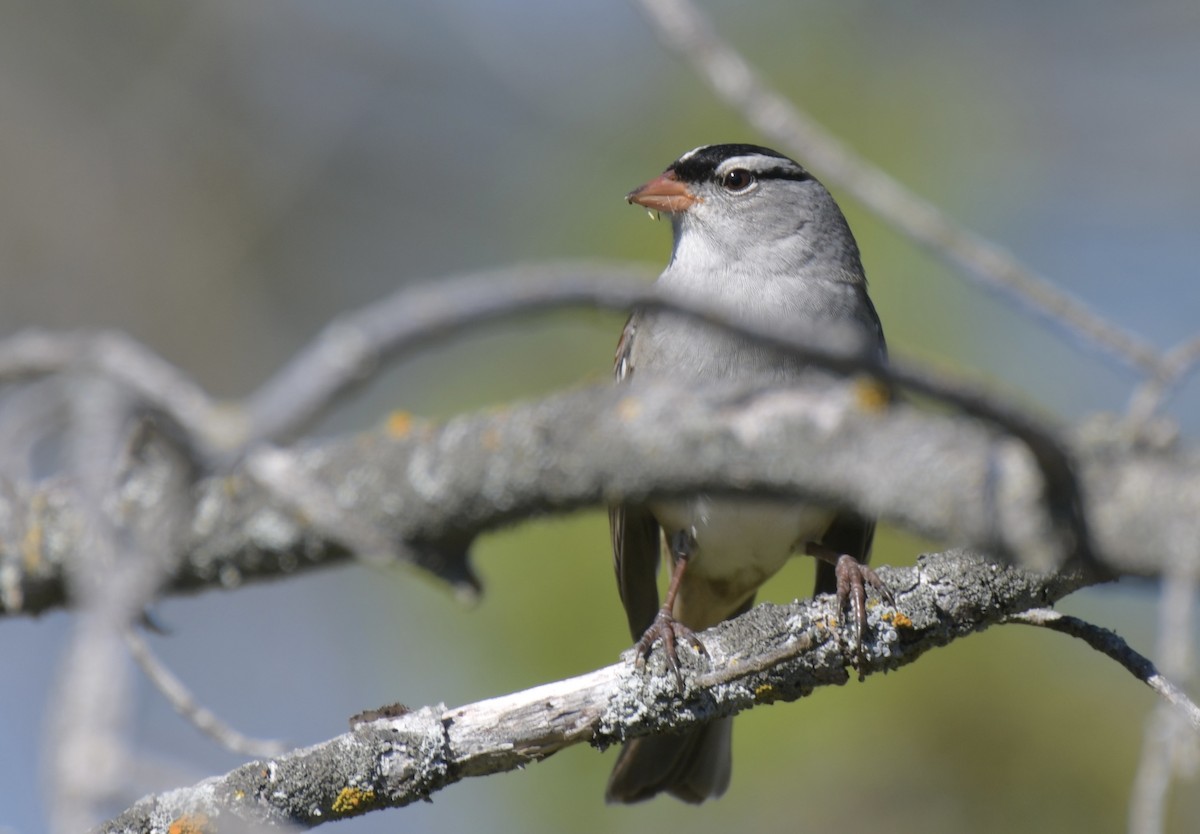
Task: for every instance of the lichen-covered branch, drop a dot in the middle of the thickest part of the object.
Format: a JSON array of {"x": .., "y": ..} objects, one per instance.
[
  {"x": 434, "y": 488},
  {"x": 773, "y": 653}
]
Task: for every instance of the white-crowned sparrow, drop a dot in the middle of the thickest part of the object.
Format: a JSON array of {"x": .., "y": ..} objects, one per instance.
[{"x": 754, "y": 233}]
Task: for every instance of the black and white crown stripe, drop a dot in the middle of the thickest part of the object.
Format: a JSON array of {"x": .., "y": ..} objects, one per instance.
[{"x": 709, "y": 162}]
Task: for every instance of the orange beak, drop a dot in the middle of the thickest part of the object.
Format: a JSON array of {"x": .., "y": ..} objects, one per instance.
[{"x": 665, "y": 193}]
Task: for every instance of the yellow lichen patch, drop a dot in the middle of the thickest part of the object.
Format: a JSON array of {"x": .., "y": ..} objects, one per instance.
[
  {"x": 899, "y": 619},
  {"x": 31, "y": 547},
  {"x": 189, "y": 824},
  {"x": 351, "y": 799},
  {"x": 490, "y": 440},
  {"x": 628, "y": 409},
  {"x": 764, "y": 693},
  {"x": 871, "y": 394},
  {"x": 399, "y": 423},
  {"x": 32, "y": 541}
]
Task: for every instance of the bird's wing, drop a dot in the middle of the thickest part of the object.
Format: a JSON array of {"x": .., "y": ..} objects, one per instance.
[
  {"x": 636, "y": 539},
  {"x": 850, "y": 533}
]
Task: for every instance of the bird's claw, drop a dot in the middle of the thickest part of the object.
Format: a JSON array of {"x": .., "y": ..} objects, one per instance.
[
  {"x": 853, "y": 577},
  {"x": 671, "y": 632}
]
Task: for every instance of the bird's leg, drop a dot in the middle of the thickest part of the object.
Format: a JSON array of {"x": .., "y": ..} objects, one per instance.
[
  {"x": 853, "y": 577},
  {"x": 665, "y": 625}
]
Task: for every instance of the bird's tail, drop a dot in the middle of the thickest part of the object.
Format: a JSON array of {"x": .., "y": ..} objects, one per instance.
[{"x": 693, "y": 766}]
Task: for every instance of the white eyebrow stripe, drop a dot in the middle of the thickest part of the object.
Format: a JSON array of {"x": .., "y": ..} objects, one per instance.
[{"x": 754, "y": 162}]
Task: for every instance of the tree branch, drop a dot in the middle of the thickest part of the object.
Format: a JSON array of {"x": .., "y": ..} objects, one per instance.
[
  {"x": 773, "y": 653},
  {"x": 435, "y": 488},
  {"x": 176, "y": 693},
  {"x": 1179, "y": 362},
  {"x": 1110, "y": 644},
  {"x": 348, "y": 351}
]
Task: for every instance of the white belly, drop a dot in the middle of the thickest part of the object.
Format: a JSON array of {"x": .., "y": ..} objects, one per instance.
[{"x": 739, "y": 545}]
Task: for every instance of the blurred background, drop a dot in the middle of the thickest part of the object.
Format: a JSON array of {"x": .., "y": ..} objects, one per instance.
[{"x": 220, "y": 178}]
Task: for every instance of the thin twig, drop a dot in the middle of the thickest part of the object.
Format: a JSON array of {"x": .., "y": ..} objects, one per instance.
[
  {"x": 185, "y": 703},
  {"x": 1179, "y": 362},
  {"x": 1152, "y": 782},
  {"x": 1110, "y": 644},
  {"x": 351, "y": 349},
  {"x": 158, "y": 386},
  {"x": 90, "y": 706},
  {"x": 1164, "y": 749},
  {"x": 685, "y": 30}
]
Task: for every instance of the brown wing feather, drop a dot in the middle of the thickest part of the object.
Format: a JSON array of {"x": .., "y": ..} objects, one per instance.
[
  {"x": 636, "y": 538},
  {"x": 850, "y": 533},
  {"x": 636, "y": 545}
]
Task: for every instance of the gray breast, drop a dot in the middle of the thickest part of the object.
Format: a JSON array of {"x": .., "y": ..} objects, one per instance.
[{"x": 837, "y": 313}]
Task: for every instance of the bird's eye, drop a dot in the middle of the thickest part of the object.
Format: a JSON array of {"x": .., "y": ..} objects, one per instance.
[{"x": 739, "y": 179}]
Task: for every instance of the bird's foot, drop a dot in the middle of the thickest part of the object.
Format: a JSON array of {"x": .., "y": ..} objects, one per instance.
[
  {"x": 671, "y": 632},
  {"x": 853, "y": 577}
]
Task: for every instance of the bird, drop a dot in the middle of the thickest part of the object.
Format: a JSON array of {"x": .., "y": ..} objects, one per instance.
[{"x": 755, "y": 233}]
